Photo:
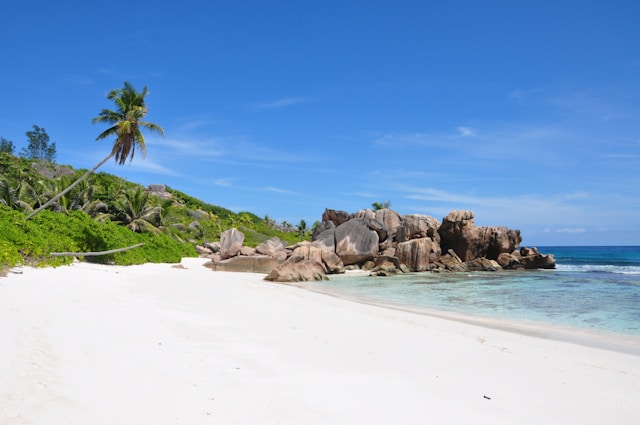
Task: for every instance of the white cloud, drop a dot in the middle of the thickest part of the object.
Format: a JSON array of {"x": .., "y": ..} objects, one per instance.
[
  {"x": 491, "y": 209},
  {"x": 194, "y": 124},
  {"x": 286, "y": 101},
  {"x": 466, "y": 131},
  {"x": 361, "y": 194},
  {"x": 223, "y": 182},
  {"x": 79, "y": 80},
  {"x": 278, "y": 190},
  {"x": 141, "y": 165},
  {"x": 571, "y": 230},
  {"x": 416, "y": 139},
  {"x": 189, "y": 147}
]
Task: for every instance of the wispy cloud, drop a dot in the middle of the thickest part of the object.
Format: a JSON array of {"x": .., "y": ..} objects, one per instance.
[
  {"x": 497, "y": 143},
  {"x": 193, "y": 124},
  {"x": 280, "y": 103},
  {"x": 139, "y": 165},
  {"x": 224, "y": 182},
  {"x": 79, "y": 80},
  {"x": 499, "y": 210},
  {"x": 571, "y": 230},
  {"x": 362, "y": 194},
  {"x": 466, "y": 131},
  {"x": 189, "y": 147},
  {"x": 279, "y": 190},
  {"x": 408, "y": 139}
]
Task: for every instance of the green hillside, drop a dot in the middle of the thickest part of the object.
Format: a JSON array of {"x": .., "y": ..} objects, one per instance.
[{"x": 106, "y": 212}]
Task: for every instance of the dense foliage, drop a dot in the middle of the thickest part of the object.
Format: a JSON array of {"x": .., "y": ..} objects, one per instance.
[
  {"x": 106, "y": 212},
  {"x": 32, "y": 242}
]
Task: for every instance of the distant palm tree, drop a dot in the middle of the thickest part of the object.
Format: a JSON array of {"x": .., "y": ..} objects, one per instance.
[
  {"x": 127, "y": 124},
  {"x": 302, "y": 229},
  {"x": 136, "y": 212},
  {"x": 379, "y": 206}
]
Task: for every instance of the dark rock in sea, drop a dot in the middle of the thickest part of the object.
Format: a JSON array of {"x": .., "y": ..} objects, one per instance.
[
  {"x": 510, "y": 261},
  {"x": 532, "y": 259},
  {"x": 388, "y": 266},
  {"x": 482, "y": 265},
  {"x": 458, "y": 232},
  {"x": 451, "y": 262}
]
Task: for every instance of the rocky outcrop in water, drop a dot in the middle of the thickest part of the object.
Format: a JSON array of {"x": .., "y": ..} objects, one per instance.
[{"x": 385, "y": 242}]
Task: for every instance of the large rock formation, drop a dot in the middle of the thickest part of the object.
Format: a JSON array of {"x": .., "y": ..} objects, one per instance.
[
  {"x": 390, "y": 219},
  {"x": 253, "y": 264},
  {"x": 356, "y": 242},
  {"x": 273, "y": 247},
  {"x": 459, "y": 233},
  {"x": 330, "y": 261},
  {"x": 297, "y": 269},
  {"x": 231, "y": 243},
  {"x": 418, "y": 254},
  {"x": 416, "y": 226},
  {"x": 526, "y": 258},
  {"x": 383, "y": 242}
]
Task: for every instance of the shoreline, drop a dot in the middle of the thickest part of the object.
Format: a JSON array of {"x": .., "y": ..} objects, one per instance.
[
  {"x": 169, "y": 344},
  {"x": 606, "y": 340}
]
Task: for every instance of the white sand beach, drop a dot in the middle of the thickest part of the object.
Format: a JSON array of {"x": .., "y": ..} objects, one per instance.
[{"x": 159, "y": 344}]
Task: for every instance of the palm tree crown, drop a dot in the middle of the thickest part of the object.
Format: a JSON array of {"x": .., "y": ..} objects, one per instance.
[{"x": 126, "y": 122}]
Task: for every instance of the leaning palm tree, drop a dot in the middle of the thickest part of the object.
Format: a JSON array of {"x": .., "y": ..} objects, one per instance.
[{"x": 126, "y": 124}]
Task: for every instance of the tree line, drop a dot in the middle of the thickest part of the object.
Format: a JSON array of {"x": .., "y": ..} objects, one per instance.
[{"x": 39, "y": 146}]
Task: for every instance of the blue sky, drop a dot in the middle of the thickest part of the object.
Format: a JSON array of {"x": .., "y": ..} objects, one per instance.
[{"x": 526, "y": 112}]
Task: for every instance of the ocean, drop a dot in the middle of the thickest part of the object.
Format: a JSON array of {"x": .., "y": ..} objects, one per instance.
[{"x": 594, "y": 288}]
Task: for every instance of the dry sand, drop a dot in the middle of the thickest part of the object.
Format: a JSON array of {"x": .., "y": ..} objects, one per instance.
[{"x": 158, "y": 344}]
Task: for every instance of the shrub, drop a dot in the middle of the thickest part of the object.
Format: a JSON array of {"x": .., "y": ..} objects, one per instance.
[{"x": 31, "y": 242}]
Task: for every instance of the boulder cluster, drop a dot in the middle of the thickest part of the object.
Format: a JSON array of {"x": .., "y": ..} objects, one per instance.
[{"x": 382, "y": 242}]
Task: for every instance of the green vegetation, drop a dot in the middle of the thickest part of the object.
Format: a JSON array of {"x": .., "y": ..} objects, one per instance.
[
  {"x": 39, "y": 146},
  {"x": 106, "y": 212},
  {"x": 381, "y": 205},
  {"x": 31, "y": 242},
  {"x": 6, "y": 146}
]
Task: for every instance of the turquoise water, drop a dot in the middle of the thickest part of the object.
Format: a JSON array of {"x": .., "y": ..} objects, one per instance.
[{"x": 595, "y": 288}]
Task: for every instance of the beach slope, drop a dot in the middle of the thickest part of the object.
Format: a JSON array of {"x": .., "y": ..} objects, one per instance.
[{"x": 165, "y": 344}]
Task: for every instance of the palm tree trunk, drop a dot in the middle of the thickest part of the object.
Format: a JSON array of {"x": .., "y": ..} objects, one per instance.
[
  {"x": 94, "y": 254},
  {"x": 71, "y": 186}
]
